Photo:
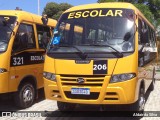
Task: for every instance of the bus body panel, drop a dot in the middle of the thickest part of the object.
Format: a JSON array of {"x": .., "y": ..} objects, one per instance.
[
  {"x": 21, "y": 72},
  {"x": 117, "y": 93},
  {"x": 10, "y": 80},
  {"x": 4, "y": 76},
  {"x": 65, "y": 83},
  {"x": 102, "y": 91},
  {"x": 67, "y": 67},
  {"x": 4, "y": 82}
]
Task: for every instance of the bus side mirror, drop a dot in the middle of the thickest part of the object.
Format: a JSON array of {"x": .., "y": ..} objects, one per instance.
[
  {"x": 144, "y": 36},
  {"x": 44, "y": 19},
  {"x": 127, "y": 36}
]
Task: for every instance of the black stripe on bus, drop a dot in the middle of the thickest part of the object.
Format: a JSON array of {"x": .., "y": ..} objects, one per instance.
[{"x": 27, "y": 58}]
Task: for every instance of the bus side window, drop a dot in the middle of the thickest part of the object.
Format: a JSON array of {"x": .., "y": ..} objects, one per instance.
[
  {"x": 44, "y": 35},
  {"x": 143, "y": 32},
  {"x": 24, "y": 38}
]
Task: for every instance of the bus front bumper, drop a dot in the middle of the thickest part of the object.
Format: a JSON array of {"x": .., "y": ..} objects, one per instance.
[{"x": 108, "y": 93}]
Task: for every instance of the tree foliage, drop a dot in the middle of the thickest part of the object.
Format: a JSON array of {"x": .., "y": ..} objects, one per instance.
[
  {"x": 154, "y": 6},
  {"x": 54, "y": 10},
  {"x": 146, "y": 11}
]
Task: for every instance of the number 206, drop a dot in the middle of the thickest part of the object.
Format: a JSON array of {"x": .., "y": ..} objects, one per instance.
[{"x": 100, "y": 67}]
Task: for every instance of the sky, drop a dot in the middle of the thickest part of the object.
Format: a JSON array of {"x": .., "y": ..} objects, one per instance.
[{"x": 32, "y": 5}]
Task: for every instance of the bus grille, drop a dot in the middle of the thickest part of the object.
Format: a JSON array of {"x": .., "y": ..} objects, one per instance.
[{"x": 90, "y": 80}]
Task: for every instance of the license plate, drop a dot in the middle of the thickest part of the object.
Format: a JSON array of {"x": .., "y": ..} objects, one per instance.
[{"x": 80, "y": 91}]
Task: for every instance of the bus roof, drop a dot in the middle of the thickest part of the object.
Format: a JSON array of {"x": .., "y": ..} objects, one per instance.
[
  {"x": 110, "y": 5},
  {"x": 28, "y": 17}
]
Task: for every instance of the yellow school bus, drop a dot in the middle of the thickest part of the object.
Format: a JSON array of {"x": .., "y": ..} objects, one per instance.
[
  {"x": 102, "y": 53},
  {"x": 23, "y": 39}
]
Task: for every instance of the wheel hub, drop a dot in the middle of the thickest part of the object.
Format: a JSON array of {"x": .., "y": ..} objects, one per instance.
[{"x": 27, "y": 95}]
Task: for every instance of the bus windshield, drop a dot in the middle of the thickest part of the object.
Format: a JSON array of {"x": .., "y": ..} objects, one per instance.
[
  {"x": 6, "y": 27},
  {"x": 95, "y": 31}
]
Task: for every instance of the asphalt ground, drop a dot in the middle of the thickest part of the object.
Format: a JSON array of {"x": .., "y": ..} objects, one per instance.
[{"x": 49, "y": 109}]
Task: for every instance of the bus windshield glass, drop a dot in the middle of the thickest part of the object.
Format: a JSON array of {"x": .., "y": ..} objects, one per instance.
[
  {"x": 6, "y": 28},
  {"x": 94, "y": 31}
]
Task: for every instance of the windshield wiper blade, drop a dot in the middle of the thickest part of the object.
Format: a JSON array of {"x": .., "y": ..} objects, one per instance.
[
  {"x": 83, "y": 55},
  {"x": 119, "y": 54}
]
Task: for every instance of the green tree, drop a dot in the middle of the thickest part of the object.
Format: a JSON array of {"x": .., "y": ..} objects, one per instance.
[
  {"x": 154, "y": 6},
  {"x": 54, "y": 10},
  {"x": 146, "y": 11}
]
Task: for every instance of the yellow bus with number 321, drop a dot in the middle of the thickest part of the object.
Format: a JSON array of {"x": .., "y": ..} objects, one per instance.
[
  {"x": 101, "y": 54},
  {"x": 23, "y": 39}
]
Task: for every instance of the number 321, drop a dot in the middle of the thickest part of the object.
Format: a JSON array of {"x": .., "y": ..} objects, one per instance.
[{"x": 18, "y": 61}]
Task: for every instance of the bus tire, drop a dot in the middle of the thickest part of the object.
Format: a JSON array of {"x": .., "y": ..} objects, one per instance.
[
  {"x": 63, "y": 106},
  {"x": 25, "y": 96},
  {"x": 140, "y": 103}
]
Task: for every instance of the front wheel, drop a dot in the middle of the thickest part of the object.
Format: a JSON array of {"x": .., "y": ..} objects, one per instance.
[
  {"x": 25, "y": 96},
  {"x": 140, "y": 103},
  {"x": 63, "y": 106}
]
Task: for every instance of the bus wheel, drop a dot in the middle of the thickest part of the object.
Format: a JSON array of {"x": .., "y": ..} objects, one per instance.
[
  {"x": 63, "y": 106},
  {"x": 140, "y": 103},
  {"x": 24, "y": 98}
]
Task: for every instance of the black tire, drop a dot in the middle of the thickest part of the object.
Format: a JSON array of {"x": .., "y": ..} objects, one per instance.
[
  {"x": 63, "y": 106},
  {"x": 25, "y": 96},
  {"x": 140, "y": 103}
]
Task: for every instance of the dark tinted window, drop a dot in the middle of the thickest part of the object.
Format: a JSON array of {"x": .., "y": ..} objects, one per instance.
[
  {"x": 44, "y": 35},
  {"x": 25, "y": 38},
  {"x": 88, "y": 28}
]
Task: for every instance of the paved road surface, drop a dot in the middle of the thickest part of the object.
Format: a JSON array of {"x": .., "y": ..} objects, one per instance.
[{"x": 152, "y": 104}]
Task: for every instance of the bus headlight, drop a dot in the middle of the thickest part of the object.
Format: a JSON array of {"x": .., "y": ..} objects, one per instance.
[
  {"x": 3, "y": 47},
  {"x": 2, "y": 70},
  {"x": 49, "y": 76},
  {"x": 122, "y": 77}
]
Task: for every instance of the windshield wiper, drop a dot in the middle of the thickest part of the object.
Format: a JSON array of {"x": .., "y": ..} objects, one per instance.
[
  {"x": 119, "y": 54},
  {"x": 82, "y": 54}
]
